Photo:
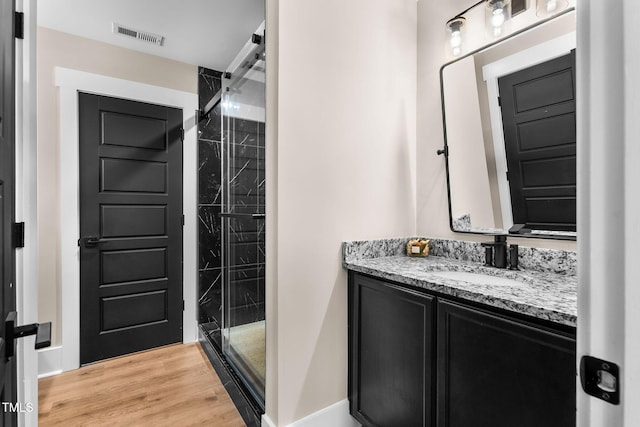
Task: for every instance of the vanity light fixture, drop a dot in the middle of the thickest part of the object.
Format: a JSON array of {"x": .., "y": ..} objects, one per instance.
[
  {"x": 454, "y": 29},
  {"x": 497, "y": 14},
  {"x": 550, "y": 7}
]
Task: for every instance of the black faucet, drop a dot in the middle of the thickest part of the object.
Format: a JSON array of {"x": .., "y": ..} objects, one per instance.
[
  {"x": 496, "y": 251},
  {"x": 513, "y": 257},
  {"x": 495, "y": 254}
]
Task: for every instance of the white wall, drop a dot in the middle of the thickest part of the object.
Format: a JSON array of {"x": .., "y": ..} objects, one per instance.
[
  {"x": 72, "y": 52},
  {"x": 431, "y": 193},
  {"x": 466, "y": 146},
  {"x": 345, "y": 165}
]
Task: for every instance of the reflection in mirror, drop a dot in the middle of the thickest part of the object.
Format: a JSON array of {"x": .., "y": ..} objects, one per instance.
[{"x": 509, "y": 117}]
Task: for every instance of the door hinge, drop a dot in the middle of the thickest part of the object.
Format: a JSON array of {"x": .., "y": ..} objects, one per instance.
[
  {"x": 18, "y": 235},
  {"x": 499, "y": 102},
  {"x": 507, "y": 173},
  {"x": 19, "y": 25},
  {"x": 182, "y": 305},
  {"x": 182, "y": 134},
  {"x": 182, "y": 220}
]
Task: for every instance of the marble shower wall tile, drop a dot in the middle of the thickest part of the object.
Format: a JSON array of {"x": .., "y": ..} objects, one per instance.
[
  {"x": 209, "y": 172},
  {"x": 261, "y": 178},
  {"x": 245, "y": 286},
  {"x": 210, "y": 129},
  {"x": 245, "y": 139},
  {"x": 261, "y": 134},
  {"x": 209, "y": 83},
  {"x": 243, "y": 176},
  {"x": 261, "y": 242},
  {"x": 209, "y": 239},
  {"x": 210, "y": 297},
  {"x": 246, "y": 127}
]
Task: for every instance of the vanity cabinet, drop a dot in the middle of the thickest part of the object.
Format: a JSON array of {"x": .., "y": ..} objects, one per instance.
[
  {"x": 391, "y": 354},
  {"x": 501, "y": 372},
  {"x": 417, "y": 359}
]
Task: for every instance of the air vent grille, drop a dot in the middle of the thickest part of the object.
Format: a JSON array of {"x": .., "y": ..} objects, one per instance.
[{"x": 140, "y": 35}]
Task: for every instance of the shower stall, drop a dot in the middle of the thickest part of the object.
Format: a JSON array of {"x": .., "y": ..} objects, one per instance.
[{"x": 232, "y": 215}]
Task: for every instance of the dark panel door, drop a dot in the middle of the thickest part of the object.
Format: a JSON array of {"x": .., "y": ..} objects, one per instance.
[
  {"x": 391, "y": 354},
  {"x": 539, "y": 118},
  {"x": 7, "y": 197},
  {"x": 495, "y": 372},
  {"x": 131, "y": 226}
]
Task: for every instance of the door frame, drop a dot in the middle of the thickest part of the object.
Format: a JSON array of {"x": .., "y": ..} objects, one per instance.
[
  {"x": 608, "y": 62},
  {"x": 26, "y": 208},
  {"x": 70, "y": 82}
]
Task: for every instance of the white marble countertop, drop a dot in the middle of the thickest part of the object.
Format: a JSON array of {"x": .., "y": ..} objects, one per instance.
[{"x": 545, "y": 295}]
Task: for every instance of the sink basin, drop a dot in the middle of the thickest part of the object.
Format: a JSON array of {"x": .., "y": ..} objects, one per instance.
[{"x": 477, "y": 278}]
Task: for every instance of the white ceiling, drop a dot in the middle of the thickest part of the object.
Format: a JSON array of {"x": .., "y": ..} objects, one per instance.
[{"x": 199, "y": 32}]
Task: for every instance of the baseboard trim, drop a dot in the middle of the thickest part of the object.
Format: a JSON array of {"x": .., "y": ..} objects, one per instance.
[
  {"x": 266, "y": 422},
  {"x": 336, "y": 415},
  {"x": 49, "y": 361}
]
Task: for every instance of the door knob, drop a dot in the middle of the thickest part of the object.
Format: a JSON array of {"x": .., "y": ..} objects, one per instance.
[
  {"x": 89, "y": 242},
  {"x": 42, "y": 331}
]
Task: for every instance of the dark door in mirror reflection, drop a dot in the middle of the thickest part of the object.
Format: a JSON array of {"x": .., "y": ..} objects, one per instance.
[{"x": 539, "y": 117}]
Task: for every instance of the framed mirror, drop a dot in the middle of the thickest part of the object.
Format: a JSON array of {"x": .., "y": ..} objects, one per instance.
[{"x": 509, "y": 116}]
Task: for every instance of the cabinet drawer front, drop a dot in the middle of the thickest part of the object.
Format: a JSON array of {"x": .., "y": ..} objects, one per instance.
[
  {"x": 498, "y": 372},
  {"x": 391, "y": 354}
]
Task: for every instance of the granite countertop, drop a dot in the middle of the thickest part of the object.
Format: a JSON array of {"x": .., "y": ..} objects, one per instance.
[{"x": 541, "y": 294}]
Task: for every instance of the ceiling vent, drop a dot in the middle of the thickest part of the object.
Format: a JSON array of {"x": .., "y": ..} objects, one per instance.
[{"x": 140, "y": 35}]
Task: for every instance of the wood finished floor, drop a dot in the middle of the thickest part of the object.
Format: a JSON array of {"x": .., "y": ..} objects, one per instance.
[{"x": 171, "y": 386}]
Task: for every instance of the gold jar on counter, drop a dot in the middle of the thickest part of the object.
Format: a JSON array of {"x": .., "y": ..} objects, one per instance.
[{"x": 418, "y": 247}]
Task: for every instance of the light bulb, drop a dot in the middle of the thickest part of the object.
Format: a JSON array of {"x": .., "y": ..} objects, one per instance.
[
  {"x": 497, "y": 16},
  {"x": 456, "y": 39},
  {"x": 497, "y": 19},
  {"x": 456, "y": 43},
  {"x": 454, "y": 28}
]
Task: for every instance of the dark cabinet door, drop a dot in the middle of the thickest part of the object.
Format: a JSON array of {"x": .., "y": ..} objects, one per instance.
[
  {"x": 497, "y": 372},
  {"x": 391, "y": 354}
]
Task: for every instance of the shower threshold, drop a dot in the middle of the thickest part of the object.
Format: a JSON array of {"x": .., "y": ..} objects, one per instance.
[{"x": 248, "y": 406}]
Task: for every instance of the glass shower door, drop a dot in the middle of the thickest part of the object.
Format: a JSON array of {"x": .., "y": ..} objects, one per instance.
[{"x": 243, "y": 335}]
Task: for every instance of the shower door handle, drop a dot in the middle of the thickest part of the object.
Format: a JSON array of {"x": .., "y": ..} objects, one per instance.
[
  {"x": 241, "y": 215},
  {"x": 232, "y": 215}
]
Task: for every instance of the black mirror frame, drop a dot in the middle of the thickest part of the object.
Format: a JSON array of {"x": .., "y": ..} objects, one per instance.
[{"x": 445, "y": 149}]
